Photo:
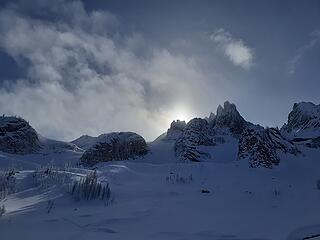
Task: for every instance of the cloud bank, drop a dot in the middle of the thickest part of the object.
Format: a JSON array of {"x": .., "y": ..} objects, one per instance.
[
  {"x": 84, "y": 76},
  {"x": 234, "y": 49}
]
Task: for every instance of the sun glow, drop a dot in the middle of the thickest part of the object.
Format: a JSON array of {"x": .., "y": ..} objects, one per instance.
[{"x": 179, "y": 113}]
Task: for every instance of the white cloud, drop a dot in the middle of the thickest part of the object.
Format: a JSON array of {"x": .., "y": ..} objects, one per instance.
[
  {"x": 293, "y": 63},
  {"x": 235, "y": 49},
  {"x": 84, "y": 77}
]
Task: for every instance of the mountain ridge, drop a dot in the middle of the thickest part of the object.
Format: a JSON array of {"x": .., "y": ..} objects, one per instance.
[{"x": 195, "y": 140}]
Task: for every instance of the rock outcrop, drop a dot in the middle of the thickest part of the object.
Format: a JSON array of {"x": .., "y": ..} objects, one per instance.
[
  {"x": 304, "y": 116},
  {"x": 262, "y": 146},
  {"x": 17, "y": 136},
  {"x": 303, "y": 125},
  {"x": 176, "y": 129},
  {"x": 197, "y": 132},
  {"x": 115, "y": 146}
]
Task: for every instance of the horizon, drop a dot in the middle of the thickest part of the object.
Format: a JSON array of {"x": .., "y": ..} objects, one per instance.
[{"x": 90, "y": 67}]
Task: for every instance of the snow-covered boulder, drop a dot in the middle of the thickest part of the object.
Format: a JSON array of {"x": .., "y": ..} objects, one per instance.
[
  {"x": 17, "y": 136},
  {"x": 262, "y": 146},
  {"x": 115, "y": 146}
]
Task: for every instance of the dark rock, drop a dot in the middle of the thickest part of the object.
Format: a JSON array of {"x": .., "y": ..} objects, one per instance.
[
  {"x": 262, "y": 146},
  {"x": 176, "y": 129},
  {"x": 115, "y": 146},
  {"x": 197, "y": 132},
  {"x": 17, "y": 136},
  {"x": 205, "y": 191},
  {"x": 228, "y": 117}
]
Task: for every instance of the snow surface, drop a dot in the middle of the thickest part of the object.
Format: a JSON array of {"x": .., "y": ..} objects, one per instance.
[{"x": 158, "y": 197}]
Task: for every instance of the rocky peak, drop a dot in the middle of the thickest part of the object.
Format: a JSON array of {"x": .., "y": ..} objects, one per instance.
[
  {"x": 304, "y": 115},
  {"x": 228, "y": 117}
]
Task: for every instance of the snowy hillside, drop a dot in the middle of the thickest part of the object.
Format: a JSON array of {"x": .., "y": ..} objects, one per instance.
[
  {"x": 84, "y": 142},
  {"x": 220, "y": 178}
]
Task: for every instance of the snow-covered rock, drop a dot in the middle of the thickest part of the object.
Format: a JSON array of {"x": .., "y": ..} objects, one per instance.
[
  {"x": 115, "y": 146},
  {"x": 176, "y": 129},
  {"x": 262, "y": 146},
  {"x": 197, "y": 132},
  {"x": 228, "y": 117},
  {"x": 17, "y": 136},
  {"x": 303, "y": 121},
  {"x": 209, "y": 132}
]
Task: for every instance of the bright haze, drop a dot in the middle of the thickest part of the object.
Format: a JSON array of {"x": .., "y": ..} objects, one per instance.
[{"x": 90, "y": 67}]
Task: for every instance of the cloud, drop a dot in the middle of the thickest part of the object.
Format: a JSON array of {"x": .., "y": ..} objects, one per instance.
[
  {"x": 235, "y": 49},
  {"x": 84, "y": 76},
  {"x": 294, "y": 62}
]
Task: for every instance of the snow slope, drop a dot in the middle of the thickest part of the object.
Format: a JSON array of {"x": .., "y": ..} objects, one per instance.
[
  {"x": 161, "y": 196},
  {"x": 157, "y": 197}
]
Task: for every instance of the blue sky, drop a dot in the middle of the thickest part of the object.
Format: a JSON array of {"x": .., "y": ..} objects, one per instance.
[{"x": 88, "y": 67}]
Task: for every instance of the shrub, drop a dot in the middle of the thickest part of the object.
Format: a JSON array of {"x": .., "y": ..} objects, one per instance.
[
  {"x": 2, "y": 210},
  {"x": 178, "y": 178},
  {"x": 318, "y": 184},
  {"x": 89, "y": 188},
  {"x": 7, "y": 183}
]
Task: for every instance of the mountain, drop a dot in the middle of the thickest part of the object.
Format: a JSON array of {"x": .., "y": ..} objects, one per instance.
[
  {"x": 303, "y": 125},
  {"x": 228, "y": 117},
  {"x": 198, "y": 139},
  {"x": 114, "y": 146},
  {"x": 223, "y": 136},
  {"x": 304, "y": 116}
]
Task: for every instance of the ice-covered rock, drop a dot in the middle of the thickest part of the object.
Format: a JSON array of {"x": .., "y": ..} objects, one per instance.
[
  {"x": 17, "y": 136},
  {"x": 262, "y": 146},
  {"x": 115, "y": 146}
]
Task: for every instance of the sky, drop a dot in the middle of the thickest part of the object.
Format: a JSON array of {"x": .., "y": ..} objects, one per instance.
[{"x": 90, "y": 67}]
